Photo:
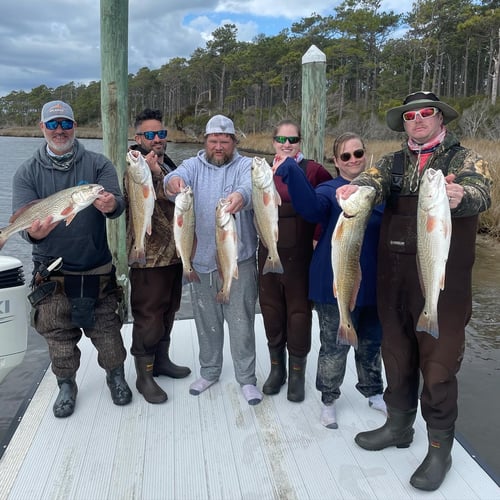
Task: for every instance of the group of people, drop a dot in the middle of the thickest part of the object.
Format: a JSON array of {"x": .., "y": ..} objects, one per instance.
[{"x": 389, "y": 301}]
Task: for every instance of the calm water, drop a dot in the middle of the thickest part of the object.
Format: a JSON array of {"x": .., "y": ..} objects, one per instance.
[{"x": 479, "y": 405}]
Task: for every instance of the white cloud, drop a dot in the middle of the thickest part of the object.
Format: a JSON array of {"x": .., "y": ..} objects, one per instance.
[{"x": 56, "y": 42}]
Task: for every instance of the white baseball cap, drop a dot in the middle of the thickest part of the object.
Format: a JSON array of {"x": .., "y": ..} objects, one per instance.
[{"x": 220, "y": 124}]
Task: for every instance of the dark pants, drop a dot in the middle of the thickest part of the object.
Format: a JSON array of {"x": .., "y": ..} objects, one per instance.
[
  {"x": 332, "y": 357},
  {"x": 53, "y": 321},
  {"x": 155, "y": 297},
  {"x": 407, "y": 354},
  {"x": 286, "y": 309}
]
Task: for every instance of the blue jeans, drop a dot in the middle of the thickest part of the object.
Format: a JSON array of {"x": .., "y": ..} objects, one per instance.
[{"x": 332, "y": 357}]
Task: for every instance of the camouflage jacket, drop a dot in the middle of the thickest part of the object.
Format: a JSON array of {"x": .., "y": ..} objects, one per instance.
[
  {"x": 470, "y": 169},
  {"x": 160, "y": 244}
]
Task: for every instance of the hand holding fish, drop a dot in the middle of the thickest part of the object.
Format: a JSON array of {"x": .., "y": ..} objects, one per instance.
[
  {"x": 105, "y": 203},
  {"x": 234, "y": 203},
  {"x": 343, "y": 192},
  {"x": 277, "y": 161},
  {"x": 455, "y": 192},
  {"x": 41, "y": 228},
  {"x": 174, "y": 185}
]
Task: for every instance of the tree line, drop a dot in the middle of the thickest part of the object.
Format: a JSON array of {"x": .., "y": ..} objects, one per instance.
[{"x": 374, "y": 58}]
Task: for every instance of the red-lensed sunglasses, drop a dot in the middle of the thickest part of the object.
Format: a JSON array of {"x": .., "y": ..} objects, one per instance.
[{"x": 424, "y": 113}]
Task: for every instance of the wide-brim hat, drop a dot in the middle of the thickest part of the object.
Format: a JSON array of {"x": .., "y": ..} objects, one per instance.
[{"x": 418, "y": 100}]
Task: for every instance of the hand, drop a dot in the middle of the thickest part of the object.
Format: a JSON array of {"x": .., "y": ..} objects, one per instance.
[
  {"x": 343, "y": 192},
  {"x": 152, "y": 161},
  {"x": 106, "y": 203},
  {"x": 174, "y": 185},
  {"x": 455, "y": 192},
  {"x": 278, "y": 160},
  {"x": 235, "y": 203},
  {"x": 39, "y": 229}
]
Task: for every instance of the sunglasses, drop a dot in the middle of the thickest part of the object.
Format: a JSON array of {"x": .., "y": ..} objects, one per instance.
[
  {"x": 150, "y": 134},
  {"x": 359, "y": 153},
  {"x": 53, "y": 124},
  {"x": 283, "y": 138},
  {"x": 424, "y": 113}
]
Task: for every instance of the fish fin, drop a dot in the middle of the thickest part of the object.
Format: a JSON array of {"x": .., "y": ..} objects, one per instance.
[
  {"x": 193, "y": 276},
  {"x": 69, "y": 219},
  {"x": 148, "y": 229},
  {"x": 339, "y": 229},
  {"x": 334, "y": 290},
  {"x": 222, "y": 297},
  {"x": 145, "y": 190},
  {"x": 277, "y": 199},
  {"x": 136, "y": 255},
  {"x": 235, "y": 274},
  {"x": 21, "y": 210},
  {"x": 272, "y": 266},
  {"x": 427, "y": 323},
  {"x": 266, "y": 197},
  {"x": 431, "y": 223},
  {"x": 179, "y": 220},
  {"x": 2, "y": 242},
  {"x": 442, "y": 280}
]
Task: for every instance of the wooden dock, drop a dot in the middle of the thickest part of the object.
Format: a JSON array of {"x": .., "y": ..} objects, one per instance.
[{"x": 214, "y": 446}]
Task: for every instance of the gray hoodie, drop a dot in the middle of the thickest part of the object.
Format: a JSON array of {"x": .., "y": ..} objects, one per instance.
[{"x": 210, "y": 183}]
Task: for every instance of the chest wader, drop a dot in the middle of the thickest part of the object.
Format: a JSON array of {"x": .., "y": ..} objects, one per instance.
[
  {"x": 283, "y": 299},
  {"x": 407, "y": 354}
]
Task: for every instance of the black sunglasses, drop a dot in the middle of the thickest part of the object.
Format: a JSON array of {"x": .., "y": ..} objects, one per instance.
[
  {"x": 53, "y": 124},
  {"x": 150, "y": 134},
  {"x": 359, "y": 153},
  {"x": 282, "y": 139}
]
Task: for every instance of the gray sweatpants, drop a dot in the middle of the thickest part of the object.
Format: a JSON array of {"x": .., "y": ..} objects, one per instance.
[{"x": 239, "y": 314}]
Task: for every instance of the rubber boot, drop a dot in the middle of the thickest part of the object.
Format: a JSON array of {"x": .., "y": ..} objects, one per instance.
[
  {"x": 296, "y": 378},
  {"x": 397, "y": 431},
  {"x": 64, "y": 405},
  {"x": 277, "y": 375},
  {"x": 145, "y": 383},
  {"x": 432, "y": 471},
  {"x": 120, "y": 391},
  {"x": 163, "y": 365}
]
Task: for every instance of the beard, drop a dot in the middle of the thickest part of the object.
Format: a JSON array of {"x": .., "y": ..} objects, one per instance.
[{"x": 218, "y": 160}]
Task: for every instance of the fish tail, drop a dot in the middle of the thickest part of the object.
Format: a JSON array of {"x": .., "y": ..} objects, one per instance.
[
  {"x": 191, "y": 276},
  {"x": 137, "y": 255},
  {"x": 428, "y": 323},
  {"x": 346, "y": 335},
  {"x": 273, "y": 265}
]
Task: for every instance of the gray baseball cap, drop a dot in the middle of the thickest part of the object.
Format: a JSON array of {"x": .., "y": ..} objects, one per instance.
[
  {"x": 57, "y": 109},
  {"x": 220, "y": 124}
]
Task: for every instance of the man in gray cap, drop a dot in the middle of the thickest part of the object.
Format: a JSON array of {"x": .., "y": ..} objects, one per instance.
[
  {"x": 408, "y": 348},
  {"x": 219, "y": 171},
  {"x": 82, "y": 294}
]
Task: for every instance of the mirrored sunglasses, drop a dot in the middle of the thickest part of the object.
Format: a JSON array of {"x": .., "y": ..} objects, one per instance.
[
  {"x": 53, "y": 124},
  {"x": 282, "y": 139},
  {"x": 424, "y": 113},
  {"x": 358, "y": 153},
  {"x": 150, "y": 134}
]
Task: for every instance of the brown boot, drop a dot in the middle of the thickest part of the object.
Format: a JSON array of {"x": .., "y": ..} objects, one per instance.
[
  {"x": 164, "y": 366},
  {"x": 145, "y": 383}
]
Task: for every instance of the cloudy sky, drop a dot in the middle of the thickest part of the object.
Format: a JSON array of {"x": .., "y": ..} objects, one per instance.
[{"x": 55, "y": 42}]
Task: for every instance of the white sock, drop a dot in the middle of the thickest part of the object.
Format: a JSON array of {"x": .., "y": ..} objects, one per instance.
[
  {"x": 377, "y": 403},
  {"x": 200, "y": 385},
  {"x": 252, "y": 394},
  {"x": 328, "y": 416}
]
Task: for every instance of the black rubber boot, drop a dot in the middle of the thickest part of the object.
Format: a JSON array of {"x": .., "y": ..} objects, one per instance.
[
  {"x": 397, "y": 431},
  {"x": 432, "y": 471},
  {"x": 277, "y": 375},
  {"x": 296, "y": 378},
  {"x": 64, "y": 405},
  {"x": 145, "y": 383},
  {"x": 120, "y": 391},
  {"x": 163, "y": 365}
]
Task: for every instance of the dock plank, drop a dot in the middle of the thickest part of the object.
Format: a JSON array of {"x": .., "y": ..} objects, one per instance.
[{"x": 214, "y": 446}]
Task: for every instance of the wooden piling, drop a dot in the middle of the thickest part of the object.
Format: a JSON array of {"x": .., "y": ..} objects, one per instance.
[
  {"x": 114, "y": 115},
  {"x": 313, "y": 103}
]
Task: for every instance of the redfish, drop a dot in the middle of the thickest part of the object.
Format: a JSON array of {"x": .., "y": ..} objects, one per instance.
[
  {"x": 347, "y": 240},
  {"x": 433, "y": 244},
  {"x": 63, "y": 205},
  {"x": 226, "y": 237}
]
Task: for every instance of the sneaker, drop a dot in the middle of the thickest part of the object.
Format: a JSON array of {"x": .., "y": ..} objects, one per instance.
[
  {"x": 252, "y": 394},
  {"x": 377, "y": 403},
  {"x": 200, "y": 385},
  {"x": 328, "y": 417}
]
